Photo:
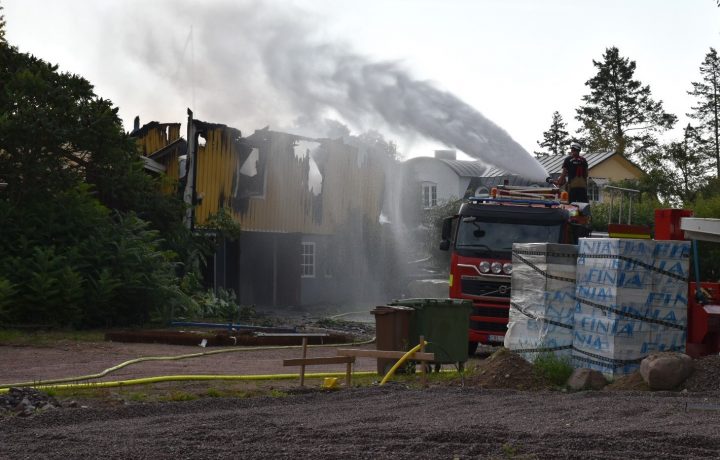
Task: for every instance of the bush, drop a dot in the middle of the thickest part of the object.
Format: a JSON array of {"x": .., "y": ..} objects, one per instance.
[
  {"x": 77, "y": 264},
  {"x": 643, "y": 212},
  {"x": 222, "y": 305},
  {"x": 553, "y": 368}
]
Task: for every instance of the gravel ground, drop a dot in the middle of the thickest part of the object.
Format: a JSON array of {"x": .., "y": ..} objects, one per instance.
[
  {"x": 381, "y": 422},
  {"x": 478, "y": 417}
]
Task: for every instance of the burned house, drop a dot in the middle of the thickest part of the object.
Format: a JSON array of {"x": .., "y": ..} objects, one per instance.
[{"x": 309, "y": 209}]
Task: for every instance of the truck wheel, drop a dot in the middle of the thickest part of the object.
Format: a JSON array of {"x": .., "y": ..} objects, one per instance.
[{"x": 472, "y": 348}]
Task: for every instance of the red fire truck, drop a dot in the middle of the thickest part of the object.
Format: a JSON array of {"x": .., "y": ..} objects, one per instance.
[{"x": 481, "y": 236}]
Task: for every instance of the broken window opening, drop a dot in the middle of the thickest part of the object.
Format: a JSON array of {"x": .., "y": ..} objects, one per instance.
[
  {"x": 315, "y": 178},
  {"x": 250, "y": 166}
]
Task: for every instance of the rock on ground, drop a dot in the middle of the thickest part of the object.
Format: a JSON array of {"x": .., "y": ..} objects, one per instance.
[
  {"x": 665, "y": 371},
  {"x": 586, "y": 379}
]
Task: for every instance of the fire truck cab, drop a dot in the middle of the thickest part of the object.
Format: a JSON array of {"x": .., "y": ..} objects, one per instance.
[{"x": 480, "y": 237}]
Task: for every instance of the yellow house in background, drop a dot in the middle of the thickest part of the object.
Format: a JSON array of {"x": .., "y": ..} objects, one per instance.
[
  {"x": 444, "y": 177},
  {"x": 603, "y": 168}
]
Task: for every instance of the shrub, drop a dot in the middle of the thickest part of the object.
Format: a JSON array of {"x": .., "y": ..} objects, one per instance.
[
  {"x": 553, "y": 368},
  {"x": 77, "y": 264}
]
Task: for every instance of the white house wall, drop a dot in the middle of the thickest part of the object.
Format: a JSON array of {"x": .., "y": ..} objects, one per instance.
[{"x": 449, "y": 185}]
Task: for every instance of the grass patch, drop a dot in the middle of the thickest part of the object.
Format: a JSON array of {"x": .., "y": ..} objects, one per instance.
[
  {"x": 137, "y": 397},
  {"x": 178, "y": 395},
  {"x": 556, "y": 370},
  {"x": 509, "y": 450}
]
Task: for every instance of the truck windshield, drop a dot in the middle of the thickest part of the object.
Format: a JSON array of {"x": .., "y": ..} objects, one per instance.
[{"x": 499, "y": 237}]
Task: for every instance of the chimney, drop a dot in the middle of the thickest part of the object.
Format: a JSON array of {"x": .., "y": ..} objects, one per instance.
[
  {"x": 136, "y": 124},
  {"x": 445, "y": 155}
]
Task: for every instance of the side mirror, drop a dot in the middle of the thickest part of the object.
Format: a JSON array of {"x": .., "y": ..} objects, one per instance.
[
  {"x": 446, "y": 233},
  {"x": 447, "y": 227}
]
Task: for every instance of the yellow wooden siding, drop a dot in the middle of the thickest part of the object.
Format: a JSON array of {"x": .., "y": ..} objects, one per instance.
[
  {"x": 616, "y": 168},
  {"x": 287, "y": 205},
  {"x": 157, "y": 137},
  {"x": 172, "y": 172}
]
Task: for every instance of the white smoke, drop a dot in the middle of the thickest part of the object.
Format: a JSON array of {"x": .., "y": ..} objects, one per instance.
[{"x": 259, "y": 63}]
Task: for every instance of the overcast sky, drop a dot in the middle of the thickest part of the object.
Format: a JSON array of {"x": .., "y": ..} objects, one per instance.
[{"x": 514, "y": 61}]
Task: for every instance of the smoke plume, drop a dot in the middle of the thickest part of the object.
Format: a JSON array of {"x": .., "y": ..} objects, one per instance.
[{"x": 257, "y": 63}]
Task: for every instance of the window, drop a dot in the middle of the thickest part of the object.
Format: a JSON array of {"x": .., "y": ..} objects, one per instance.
[
  {"x": 307, "y": 260},
  {"x": 429, "y": 194},
  {"x": 593, "y": 192}
]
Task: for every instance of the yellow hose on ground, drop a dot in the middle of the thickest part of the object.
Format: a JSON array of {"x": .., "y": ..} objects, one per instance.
[
  {"x": 400, "y": 362},
  {"x": 165, "y": 358},
  {"x": 179, "y": 378}
]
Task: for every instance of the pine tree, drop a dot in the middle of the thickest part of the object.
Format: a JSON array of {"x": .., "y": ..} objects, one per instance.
[
  {"x": 619, "y": 113},
  {"x": 707, "y": 112},
  {"x": 556, "y": 138},
  {"x": 2, "y": 26},
  {"x": 689, "y": 162}
]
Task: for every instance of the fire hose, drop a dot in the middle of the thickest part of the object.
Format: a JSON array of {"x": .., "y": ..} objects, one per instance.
[{"x": 50, "y": 382}]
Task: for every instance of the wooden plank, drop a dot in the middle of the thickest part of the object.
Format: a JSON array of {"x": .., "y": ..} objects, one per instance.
[
  {"x": 384, "y": 354},
  {"x": 318, "y": 361}
]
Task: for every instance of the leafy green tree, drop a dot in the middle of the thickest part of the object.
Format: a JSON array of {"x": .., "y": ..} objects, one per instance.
[
  {"x": 77, "y": 263},
  {"x": 88, "y": 238},
  {"x": 643, "y": 210},
  {"x": 556, "y": 138},
  {"x": 707, "y": 110},
  {"x": 619, "y": 113}
]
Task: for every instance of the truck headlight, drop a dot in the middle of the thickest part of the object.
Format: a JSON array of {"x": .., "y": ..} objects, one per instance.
[
  {"x": 484, "y": 266},
  {"x": 496, "y": 267},
  {"x": 507, "y": 269}
]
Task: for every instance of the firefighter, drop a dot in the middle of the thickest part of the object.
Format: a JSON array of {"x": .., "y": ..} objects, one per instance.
[{"x": 575, "y": 174}]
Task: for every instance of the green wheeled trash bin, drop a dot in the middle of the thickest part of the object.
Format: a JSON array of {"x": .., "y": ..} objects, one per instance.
[
  {"x": 444, "y": 323},
  {"x": 392, "y": 328}
]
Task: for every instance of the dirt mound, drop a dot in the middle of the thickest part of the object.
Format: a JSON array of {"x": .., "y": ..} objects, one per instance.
[
  {"x": 630, "y": 382},
  {"x": 505, "y": 369}
]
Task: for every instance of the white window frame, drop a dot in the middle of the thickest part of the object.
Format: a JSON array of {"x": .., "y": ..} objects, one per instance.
[
  {"x": 593, "y": 192},
  {"x": 307, "y": 259},
  {"x": 429, "y": 194}
]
